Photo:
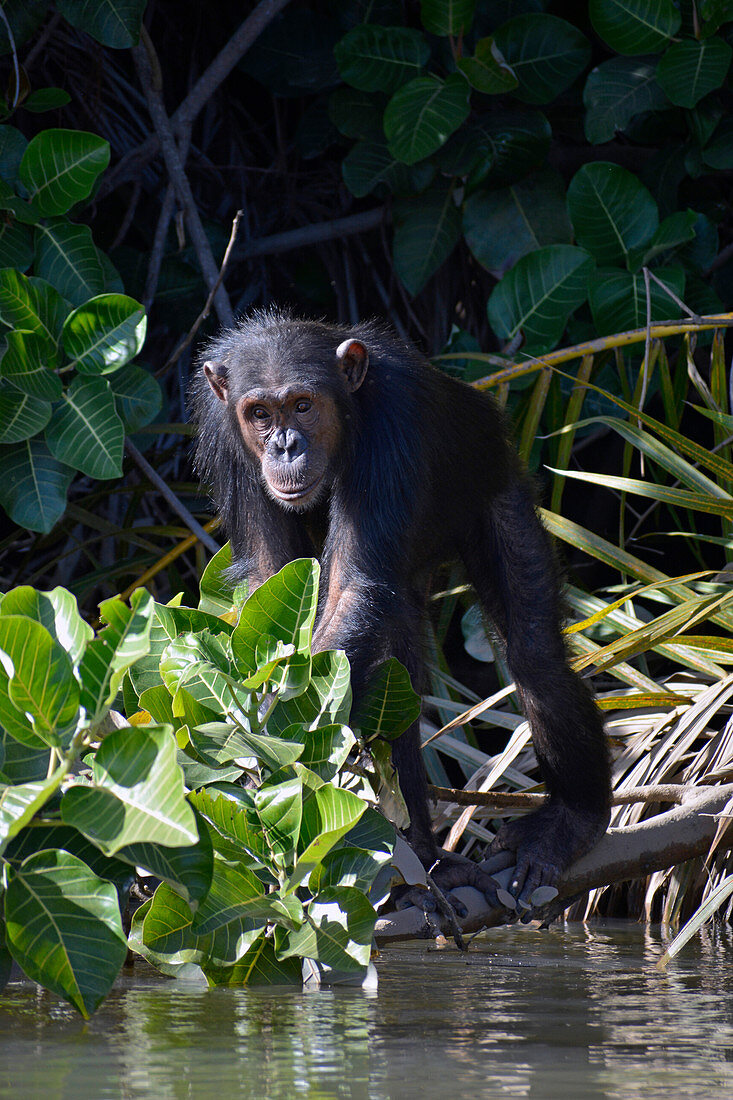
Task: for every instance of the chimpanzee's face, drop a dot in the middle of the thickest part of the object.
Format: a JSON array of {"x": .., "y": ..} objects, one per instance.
[{"x": 288, "y": 420}]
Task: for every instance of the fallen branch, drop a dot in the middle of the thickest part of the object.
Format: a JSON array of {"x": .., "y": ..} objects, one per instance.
[
  {"x": 516, "y": 800},
  {"x": 653, "y": 845}
]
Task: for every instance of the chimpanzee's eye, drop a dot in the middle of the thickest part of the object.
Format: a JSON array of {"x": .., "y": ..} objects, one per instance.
[
  {"x": 259, "y": 412},
  {"x": 303, "y": 406}
]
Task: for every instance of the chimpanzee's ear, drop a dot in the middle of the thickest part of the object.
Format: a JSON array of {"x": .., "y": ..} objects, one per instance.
[
  {"x": 353, "y": 360},
  {"x": 216, "y": 376}
]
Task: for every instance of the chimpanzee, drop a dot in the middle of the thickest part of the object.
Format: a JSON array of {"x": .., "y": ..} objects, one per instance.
[{"x": 406, "y": 468}]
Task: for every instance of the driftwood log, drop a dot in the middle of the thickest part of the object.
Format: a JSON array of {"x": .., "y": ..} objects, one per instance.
[{"x": 655, "y": 844}]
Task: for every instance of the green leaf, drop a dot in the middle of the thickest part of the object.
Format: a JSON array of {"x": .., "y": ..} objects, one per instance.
[
  {"x": 233, "y": 821},
  {"x": 545, "y": 53},
  {"x": 488, "y": 71},
  {"x": 218, "y": 595},
  {"x": 618, "y": 298},
  {"x": 86, "y": 431},
  {"x": 33, "y": 485},
  {"x": 339, "y": 930},
  {"x": 676, "y": 230},
  {"x": 326, "y": 749},
  {"x": 188, "y": 869},
  {"x": 279, "y": 808},
  {"x": 16, "y": 245},
  {"x": 425, "y": 235},
  {"x": 611, "y": 211},
  {"x": 138, "y": 396},
  {"x": 498, "y": 148},
  {"x": 422, "y": 115},
  {"x": 114, "y": 23},
  {"x": 284, "y": 608},
  {"x": 28, "y": 364},
  {"x": 369, "y": 164},
  {"x": 63, "y": 927},
  {"x": 356, "y": 114},
  {"x": 374, "y": 58},
  {"x": 19, "y": 803},
  {"x": 222, "y": 742},
  {"x": 259, "y": 967},
  {"x": 327, "y": 817},
  {"x": 123, "y": 641},
  {"x": 67, "y": 258},
  {"x": 236, "y": 892},
  {"x": 692, "y": 68},
  {"x": 635, "y": 26},
  {"x": 45, "y": 835},
  {"x": 31, "y": 304},
  {"x": 46, "y": 99},
  {"x": 538, "y": 295},
  {"x": 202, "y": 664},
  {"x": 355, "y": 867},
  {"x": 12, "y": 146},
  {"x": 60, "y": 167},
  {"x": 389, "y": 705},
  {"x": 42, "y": 683},
  {"x": 616, "y": 92},
  {"x": 104, "y": 333},
  {"x": 503, "y": 225},
  {"x": 21, "y": 416},
  {"x": 326, "y": 700},
  {"x": 138, "y": 794},
  {"x": 446, "y": 17},
  {"x": 56, "y": 610}
]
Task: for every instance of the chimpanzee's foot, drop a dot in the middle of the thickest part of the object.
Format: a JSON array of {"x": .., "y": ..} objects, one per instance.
[
  {"x": 447, "y": 872},
  {"x": 545, "y": 843}
]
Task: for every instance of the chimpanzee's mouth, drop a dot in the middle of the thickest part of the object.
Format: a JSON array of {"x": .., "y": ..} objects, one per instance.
[{"x": 299, "y": 493}]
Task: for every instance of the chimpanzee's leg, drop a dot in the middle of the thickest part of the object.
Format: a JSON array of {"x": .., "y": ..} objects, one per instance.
[{"x": 513, "y": 570}]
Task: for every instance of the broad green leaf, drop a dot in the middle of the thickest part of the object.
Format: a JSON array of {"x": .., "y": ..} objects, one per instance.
[
  {"x": 31, "y": 304},
  {"x": 615, "y": 92},
  {"x": 137, "y": 795},
  {"x": 327, "y": 817},
  {"x": 284, "y": 607},
  {"x": 374, "y": 58},
  {"x": 389, "y": 705},
  {"x": 370, "y": 163},
  {"x": 138, "y": 396},
  {"x": 114, "y": 23},
  {"x": 16, "y": 245},
  {"x": 56, "y": 610},
  {"x": 422, "y": 115},
  {"x": 46, "y": 99},
  {"x": 499, "y": 148},
  {"x": 618, "y": 299},
  {"x": 538, "y": 295},
  {"x": 356, "y": 114},
  {"x": 488, "y": 71},
  {"x": 233, "y": 821},
  {"x": 218, "y": 595},
  {"x": 445, "y": 17},
  {"x": 635, "y": 26},
  {"x": 692, "y": 68},
  {"x": 261, "y": 966},
  {"x": 355, "y": 867},
  {"x": 19, "y": 803},
  {"x": 279, "y": 808},
  {"x": 21, "y": 416},
  {"x": 123, "y": 641},
  {"x": 502, "y": 225},
  {"x": 237, "y": 892},
  {"x": 326, "y": 748},
  {"x": 545, "y": 53},
  {"x": 676, "y": 230},
  {"x": 67, "y": 258},
  {"x": 222, "y": 742},
  {"x": 85, "y": 431},
  {"x": 105, "y": 333},
  {"x": 33, "y": 485},
  {"x": 29, "y": 364},
  {"x": 12, "y": 146},
  {"x": 202, "y": 664},
  {"x": 611, "y": 211},
  {"x": 188, "y": 869},
  {"x": 425, "y": 235},
  {"x": 339, "y": 930},
  {"x": 326, "y": 700},
  {"x": 63, "y": 927},
  {"x": 161, "y": 932},
  {"x": 42, "y": 683},
  {"x": 60, "y": 167},
  {"x": 43, "y": 835}
]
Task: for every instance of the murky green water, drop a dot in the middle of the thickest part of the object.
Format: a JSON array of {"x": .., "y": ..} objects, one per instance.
[{"x": 576, "y": 1012}]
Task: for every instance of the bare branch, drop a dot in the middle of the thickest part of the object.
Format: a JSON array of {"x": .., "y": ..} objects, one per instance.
[
  {"x": 154, "y": 477},
  {"x": 313, "y": 234},
  {"x": 515, "y": 800}
]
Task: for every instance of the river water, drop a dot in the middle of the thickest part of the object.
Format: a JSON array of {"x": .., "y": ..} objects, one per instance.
[{"x": 579, "y": 1011}]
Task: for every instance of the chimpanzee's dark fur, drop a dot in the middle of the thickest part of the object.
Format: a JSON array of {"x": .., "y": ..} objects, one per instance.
[{"x": 418, "y": 471}]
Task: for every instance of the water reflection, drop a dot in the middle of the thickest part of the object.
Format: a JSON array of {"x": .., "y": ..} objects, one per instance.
[{"x": 576, "y": 1012}]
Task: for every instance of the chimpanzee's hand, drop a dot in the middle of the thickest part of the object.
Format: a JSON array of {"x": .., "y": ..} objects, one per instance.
[
  {"x": 545, "y": 843},
  {"x": 450, "y": 870}
]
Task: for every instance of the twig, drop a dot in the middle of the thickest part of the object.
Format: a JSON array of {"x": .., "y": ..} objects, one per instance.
[
  {"x": 447, "y": 911},
  {"x": 180, "y": 509},
  {"x": 515, "y": 800},
  {"x": 156, "y": 252},
  {"x": 16, "y": 67},
  {"x": 146, "y": 63},
  {"x": 205, "y": 311},
  {"x": 313, "y": 234},
  {"x": 130, "y": 165},
  {"x": 671, "y": 294}
]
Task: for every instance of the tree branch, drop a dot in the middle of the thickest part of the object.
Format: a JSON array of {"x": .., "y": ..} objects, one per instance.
[{"x": 653, "y": 845}]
